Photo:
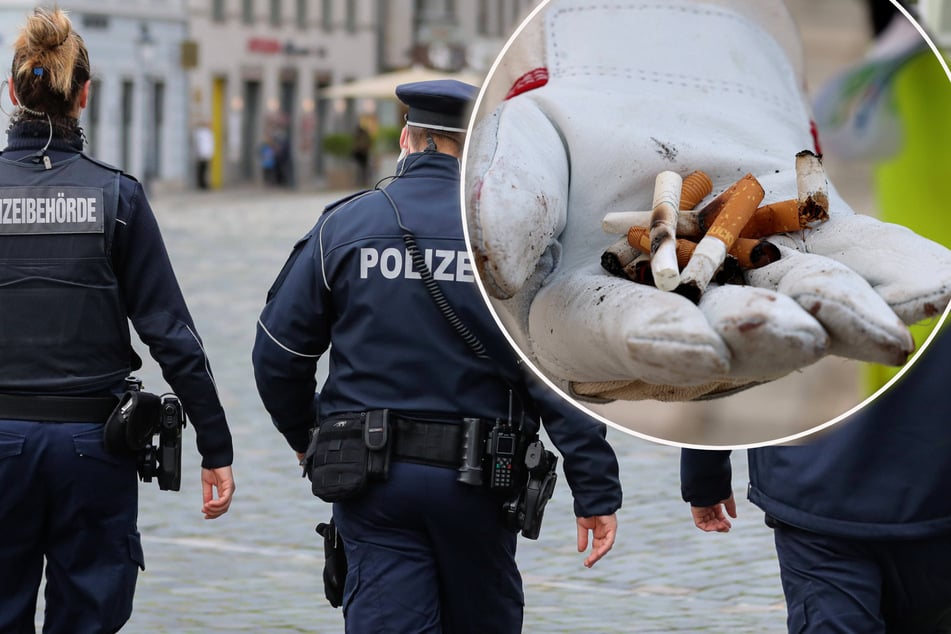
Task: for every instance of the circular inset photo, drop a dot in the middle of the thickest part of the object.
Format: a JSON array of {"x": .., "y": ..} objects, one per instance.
[{"x": 703, "y": 225}]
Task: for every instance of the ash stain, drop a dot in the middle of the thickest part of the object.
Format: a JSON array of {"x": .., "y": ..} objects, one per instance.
[{"x": 668, "y": 152}]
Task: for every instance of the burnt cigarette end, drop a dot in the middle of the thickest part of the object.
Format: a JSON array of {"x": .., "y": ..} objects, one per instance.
[
  {"x": 764, "y": 253},
  {"x": 709, "y": 212},
  {"x": 690, "y": 290},
  {"x": 611, "y": 263},
  {"x": 657, "y": 238},
  {"x": 641, "y": 273},
  {"x": 814, "y": 209},
  {"x": 730, "y": 272}
]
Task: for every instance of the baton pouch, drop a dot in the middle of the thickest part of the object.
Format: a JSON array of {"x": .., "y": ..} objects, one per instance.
[
  {"x": 335, "y": 563},
  {"x": 346, "y": 452},
  {"x": 132, "y": 423}
]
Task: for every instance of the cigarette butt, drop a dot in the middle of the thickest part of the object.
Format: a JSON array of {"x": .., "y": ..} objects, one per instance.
[
  {"x": 742, "y": 200},
  {"x": 813, "y": 187},
  {"x": 730, "y": 272},
  {"x": 617, "y": 256},
  {"x": 663, "y": 230},
  {"x": 639, "y": 238},
  {"x": 736, "y": 208},
  {"x": 639, "y": 270},
  {"x": 618, "y": 222},
  {"x": 697, "y": 186},
  {"x": 753, "y": 254},
  {"x": 774, "y": 218}
]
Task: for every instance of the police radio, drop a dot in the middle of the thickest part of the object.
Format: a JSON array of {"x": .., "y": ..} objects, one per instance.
[{"x": 500, "y": 449}]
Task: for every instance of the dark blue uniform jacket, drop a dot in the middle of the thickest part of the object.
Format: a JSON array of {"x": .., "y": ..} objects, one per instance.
[
  {"x": 148, "y": 295},
  {"x": 350, "y": 281},
  {"x": 883, "y": 473}
]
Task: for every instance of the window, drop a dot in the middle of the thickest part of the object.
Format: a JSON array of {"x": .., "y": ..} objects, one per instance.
[
  {"x": 351, "y": 16},
  {"x": 91, "y": 118},
  {"x": 302, "y": 14},
  {"x": 125, "y": 157},
  {"x": 218, "y": 10},
  {"x": 247, "y": 11},
  {"x": 482, "y": 18},
  {"x": 327, "y": 14},
  {"x": 276, "y": 13}
]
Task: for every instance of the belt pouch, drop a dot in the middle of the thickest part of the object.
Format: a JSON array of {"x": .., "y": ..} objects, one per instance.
[
  {"x": 376, "y": 436},
  {"x": 339, "y": 459}
]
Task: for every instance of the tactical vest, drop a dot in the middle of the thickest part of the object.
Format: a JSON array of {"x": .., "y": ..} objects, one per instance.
[{"x": 63, "y": 325}]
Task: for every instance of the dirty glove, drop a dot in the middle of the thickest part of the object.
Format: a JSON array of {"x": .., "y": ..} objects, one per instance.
[{"x": 603, "y": 97}]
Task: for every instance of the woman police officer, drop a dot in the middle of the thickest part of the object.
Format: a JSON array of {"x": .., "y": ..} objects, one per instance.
[{"x": 80, "y": 256}]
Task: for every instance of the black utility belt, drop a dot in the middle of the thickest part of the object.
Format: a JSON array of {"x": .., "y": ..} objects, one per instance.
[
  {"x": 348, "y": 451},
  {"x": 57, "y": 409}
]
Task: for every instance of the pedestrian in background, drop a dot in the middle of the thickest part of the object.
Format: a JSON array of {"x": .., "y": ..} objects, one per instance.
[
  {"x": 425, "y": 551},
  {"x": 204, "y": 152},
  {"x": 861, "y": 514},
  {"x": 362, "y": 144},
  {"x": 81, "y": 257}
]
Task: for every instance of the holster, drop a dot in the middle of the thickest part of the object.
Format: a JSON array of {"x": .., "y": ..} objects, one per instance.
[
  {"x": 132, "y": 423},
  {"x": 335, "y": 563}
]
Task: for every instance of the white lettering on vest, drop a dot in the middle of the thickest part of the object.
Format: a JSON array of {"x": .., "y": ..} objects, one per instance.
[{"x": 393, "y": 263}]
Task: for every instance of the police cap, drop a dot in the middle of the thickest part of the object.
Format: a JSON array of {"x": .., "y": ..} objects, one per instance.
[{"x": 440, "y": 104}]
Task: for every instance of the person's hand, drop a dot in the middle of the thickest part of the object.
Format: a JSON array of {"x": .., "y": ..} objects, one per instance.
[
  {"x": 603, "y": 529},
  {"x": 714, "y": 518},
  {"x": 618, "y": 95},
  {"x": 220, "y": 481}
]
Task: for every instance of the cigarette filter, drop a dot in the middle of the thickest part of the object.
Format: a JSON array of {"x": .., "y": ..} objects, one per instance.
[
  {"x": 774, "y": 218},
  {"x": 663, "y": 230},
  {"x": 697, "y": 186},
  {"x": 738, "y": 204}
]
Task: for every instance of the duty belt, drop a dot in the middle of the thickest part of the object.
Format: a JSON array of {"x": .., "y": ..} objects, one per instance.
[
  {"x": 57, "y": 409},
  {"x": 432, "y": 443}
]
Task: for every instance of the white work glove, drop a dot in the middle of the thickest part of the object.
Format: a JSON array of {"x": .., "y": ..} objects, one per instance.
[{"x": 634, "y": 89}]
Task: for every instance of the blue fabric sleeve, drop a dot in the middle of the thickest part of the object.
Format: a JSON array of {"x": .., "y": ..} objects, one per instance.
[
  {"x": 158, "y": 312},
  {"x": 589, "y": 463},
  {"x": 705, "y": 476},
  {"x": 291, "y": 335}
]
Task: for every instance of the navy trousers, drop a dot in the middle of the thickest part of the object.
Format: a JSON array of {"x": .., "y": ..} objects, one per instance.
[
  {"x": 836, "y": 585},
  {"x": 427, "y": 554},
  {"x": 65, "y": 500}
]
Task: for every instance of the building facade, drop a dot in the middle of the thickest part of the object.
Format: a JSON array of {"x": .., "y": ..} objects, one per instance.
[
  {"x": 253, "y": 70},
  {"x": 137, "y": 115}
]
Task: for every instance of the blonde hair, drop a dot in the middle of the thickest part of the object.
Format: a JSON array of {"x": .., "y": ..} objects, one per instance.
[{"x": 50, "y": 63}]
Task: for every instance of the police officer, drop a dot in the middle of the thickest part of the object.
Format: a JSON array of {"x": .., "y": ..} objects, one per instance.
[
  {"x": 426, "y": 552},
  {"x": 81, "y": 255},
  {"x": 862, "y": 516}
]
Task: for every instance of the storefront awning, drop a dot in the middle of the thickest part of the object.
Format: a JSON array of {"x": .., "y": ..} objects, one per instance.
[{"x": 383, "y": 86}]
